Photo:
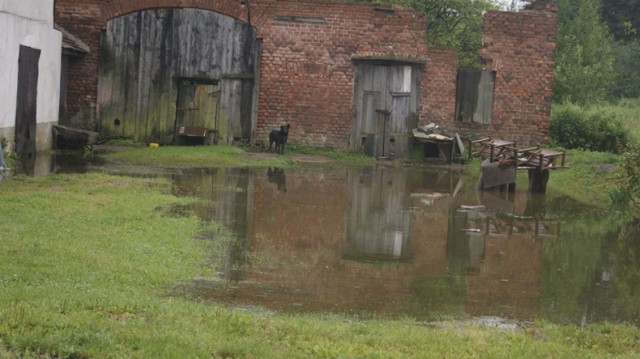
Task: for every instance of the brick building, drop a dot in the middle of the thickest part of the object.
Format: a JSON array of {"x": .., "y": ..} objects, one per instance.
[{"x": 345, "y": 76}]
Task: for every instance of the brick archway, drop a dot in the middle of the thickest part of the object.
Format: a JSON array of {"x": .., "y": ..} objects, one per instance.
[{"x": 234, "y": 8}]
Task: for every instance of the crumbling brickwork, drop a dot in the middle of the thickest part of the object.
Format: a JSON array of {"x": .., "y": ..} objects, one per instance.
[
  {"x": 306, "y": 71},
  {"x": 520, "y": 48}
]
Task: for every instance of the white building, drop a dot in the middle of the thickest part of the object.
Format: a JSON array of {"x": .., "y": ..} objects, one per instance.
[{"x": 30, "y": 60}]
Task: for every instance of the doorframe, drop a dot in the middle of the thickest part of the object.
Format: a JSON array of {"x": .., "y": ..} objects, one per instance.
[
  {"x": 357, "y": 141},
  {"x": 197, "y": 81}
]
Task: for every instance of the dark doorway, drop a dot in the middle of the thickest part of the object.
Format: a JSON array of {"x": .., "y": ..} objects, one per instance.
[
  {"x": 26, "y": 104},
  {"x": 197, "y": 108}
]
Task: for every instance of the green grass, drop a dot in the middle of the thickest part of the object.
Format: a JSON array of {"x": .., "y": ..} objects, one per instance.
[
  {"x": 90, "y": 266},
  {"x": 192, "y": 156},
  {"x": 589, "y": 178},
  {"x": 227, "y": 156}
]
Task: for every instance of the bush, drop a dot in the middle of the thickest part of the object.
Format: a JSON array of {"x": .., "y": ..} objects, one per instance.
[
  {"x": 628, "y": 178},
  {"x": 591, "y": 129}
]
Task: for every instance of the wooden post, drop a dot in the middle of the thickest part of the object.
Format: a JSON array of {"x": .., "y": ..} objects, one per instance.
[{"x": 538, "y": 179}]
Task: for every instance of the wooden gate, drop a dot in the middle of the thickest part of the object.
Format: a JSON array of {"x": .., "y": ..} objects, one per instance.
[
  {"x": 386, "y": 96},
  {"x": 26, "y": 104}
]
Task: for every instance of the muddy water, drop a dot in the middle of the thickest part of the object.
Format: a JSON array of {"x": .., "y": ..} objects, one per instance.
[
  {"x": 385, "y": 241},
  {"x": 399, "y": 242}
]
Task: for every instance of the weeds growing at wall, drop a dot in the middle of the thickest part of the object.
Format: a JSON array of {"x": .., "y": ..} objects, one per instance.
[{"x": 9, "y": 157}]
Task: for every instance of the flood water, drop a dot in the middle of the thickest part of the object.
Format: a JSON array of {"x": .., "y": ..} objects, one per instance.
[{"x": 423, "y": 243}]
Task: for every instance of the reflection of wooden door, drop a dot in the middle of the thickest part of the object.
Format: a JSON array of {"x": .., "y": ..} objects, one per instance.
[
  {"x": 197, "y": 105},
  {"x": 385, "y": 108},
  {"x": 26, "y": 103},
  {"x": 378, "y": 225}
]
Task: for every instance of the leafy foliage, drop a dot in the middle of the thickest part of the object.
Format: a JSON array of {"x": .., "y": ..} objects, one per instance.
[
  {"x": 628, "y": 178},
  {"x": 622, "y": 18},
  {"x": 590, "y": 129},
  {"x": 10, "y": 158},
  {"x": 584, "y": 60},
  {"x": 627, "y": 69}
]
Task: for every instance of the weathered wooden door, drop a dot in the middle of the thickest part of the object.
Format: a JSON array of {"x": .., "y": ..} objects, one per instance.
[
  {"x": 386, "y": 96},
  {"x": 26, "y": 104},
  {"x": 474, "y": 95},
  {"x": 197, "y": 106}
]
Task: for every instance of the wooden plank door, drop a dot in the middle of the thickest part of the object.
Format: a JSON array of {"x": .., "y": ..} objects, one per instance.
[
  {"x": 386, "y": 110},
  {"x": 197, "y": 105},
  {"x": 26, "y": 105}
]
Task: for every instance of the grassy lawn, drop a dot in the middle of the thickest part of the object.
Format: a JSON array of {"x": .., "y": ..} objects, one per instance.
[
  {"x": 225, "y": 156},
  {"x": 90, "y": 266}
]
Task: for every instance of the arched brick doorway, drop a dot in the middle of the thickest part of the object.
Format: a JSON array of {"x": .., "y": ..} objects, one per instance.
[{"x": 165, "y": 68}]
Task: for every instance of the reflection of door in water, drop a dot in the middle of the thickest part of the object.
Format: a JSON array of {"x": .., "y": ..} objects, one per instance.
[
  {"x": 197, "y": 106},
  {"x": 26, "y": 103},
  {"x": 378, "y": 227}
]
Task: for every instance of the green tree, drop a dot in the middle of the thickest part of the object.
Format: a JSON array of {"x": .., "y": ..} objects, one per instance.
[
  {"x": 627, "y": 69},
  {"x": 623, "y": 18},
  {"x": 584, "y": 60}
]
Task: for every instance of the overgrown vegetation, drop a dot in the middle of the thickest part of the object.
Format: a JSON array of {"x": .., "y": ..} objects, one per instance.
[
  {"x": 589, "y": 179},
  {"x": 628, "y": 179},
  {"x": 10, "y": 158},
  {"x": 594, "y": 129}
]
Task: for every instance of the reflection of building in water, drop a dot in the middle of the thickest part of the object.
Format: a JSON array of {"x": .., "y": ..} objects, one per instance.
[
  {"x": 501, "y": 253},
  {"x": 376, "y": 240},
  {"x": 311, "y": 250}
]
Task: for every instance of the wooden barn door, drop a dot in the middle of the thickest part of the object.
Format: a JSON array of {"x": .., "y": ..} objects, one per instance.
[
  {"x": 197, "y": 107},
  {"x": 26, "y": 104},
  {"x": 145, "y": 58}
]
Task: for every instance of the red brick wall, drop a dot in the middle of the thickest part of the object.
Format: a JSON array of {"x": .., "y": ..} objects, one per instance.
[
  {"x": 520, "y": 47},
  {"x": 439, "y": 87},
  {"x": 306, "y": 73},
  {"x": 85, "y": 21}
]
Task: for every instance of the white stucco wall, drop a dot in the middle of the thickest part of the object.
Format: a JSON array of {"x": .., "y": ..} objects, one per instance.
[{"x": 29, "y": 23}]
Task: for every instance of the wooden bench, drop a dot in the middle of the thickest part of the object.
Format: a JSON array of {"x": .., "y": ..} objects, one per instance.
[
  {"x": 190, "y": 133},
  {"x": 543, "y": 159},
  {"x": 494, "y": 150}
]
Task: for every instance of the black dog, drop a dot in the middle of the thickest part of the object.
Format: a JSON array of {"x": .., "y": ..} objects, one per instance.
[{"x": 279, "y": 138}]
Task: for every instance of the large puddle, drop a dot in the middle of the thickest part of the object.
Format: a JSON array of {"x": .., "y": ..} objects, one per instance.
[{"x": 400, "y": 242}]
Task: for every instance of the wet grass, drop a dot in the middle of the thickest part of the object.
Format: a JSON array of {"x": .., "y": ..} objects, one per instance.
[
  {"x": 589, "y": 178},
  {"x": 89, "y": 266},
  {"x": 193, "y": 156}
]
